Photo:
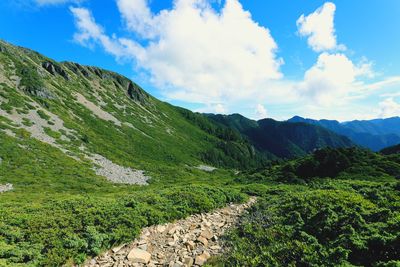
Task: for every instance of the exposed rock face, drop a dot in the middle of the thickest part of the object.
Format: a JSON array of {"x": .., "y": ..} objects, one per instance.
[
  {"x": 188, "y": 242},
  {"x": 136, "y": 94},
  {"x": 5, "y": 188},
  {"x": 54, "y": 69},
  {"x": 77, "y": 69},
  {"x": 41, "y": 92}
]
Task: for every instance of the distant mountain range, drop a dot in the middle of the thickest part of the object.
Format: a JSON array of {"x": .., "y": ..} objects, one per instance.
[
  {"x": 373, "y": 134},
  {"x": 277, "y": 139}
]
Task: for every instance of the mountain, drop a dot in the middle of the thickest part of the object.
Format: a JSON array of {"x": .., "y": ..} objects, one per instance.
[
  {"x": 108, "y": 122},
  {"x": 373, "y": 134},
  {"x": 282, "y": 139},
  {"x": 391, "y": 150},
  {"x": 75, "y": 143},
  {"x": 103, "y": 119}
]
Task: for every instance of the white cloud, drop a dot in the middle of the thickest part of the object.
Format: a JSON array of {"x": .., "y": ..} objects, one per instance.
[
  {"x": 389, "y": 108},
  {"x": 332, "y": 78},
  {"x": 89, "y": 31},
  {"x": 197, "y": 54},
  {"x": 389, "y": 81},
  {"x": 320, "y": 29},
  {"x": 55, "y": 2},
  {"x": 213, "y": 108},
  {"x": 225, "y": 61},
  {"x": 220, "y": 108},
  {"x": 261, "y": 112}
]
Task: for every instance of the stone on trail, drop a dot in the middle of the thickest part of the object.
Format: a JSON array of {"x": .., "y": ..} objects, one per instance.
[
  {"x": 201, "y": 259},
  {"x": 207, "y": 234},
  {"x": 203, "y": 240},
  {"x": 139, "y": 256},
  {"x": 188, "y": 262},
  {"x": 161, "y": 228},
  {"x": 190, "y": 244}
]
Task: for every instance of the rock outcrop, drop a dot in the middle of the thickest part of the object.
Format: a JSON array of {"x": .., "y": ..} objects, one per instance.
[
  {"x": 185, "y": 243},
  {"x": 136, "y": 94},
  {"x": 54, "y": 69},
  {"x": 6, "y": 187},
  {"x": 76, "y": 68}
]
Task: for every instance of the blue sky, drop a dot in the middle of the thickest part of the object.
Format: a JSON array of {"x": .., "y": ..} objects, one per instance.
[{"x": 319, "y": 59}]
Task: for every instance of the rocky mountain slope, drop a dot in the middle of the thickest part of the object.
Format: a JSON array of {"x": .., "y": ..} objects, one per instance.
[
  {"x": 103, "y": 119},
  {"x": 282, "y": 139},
  {"x": 373, "y": 134}
]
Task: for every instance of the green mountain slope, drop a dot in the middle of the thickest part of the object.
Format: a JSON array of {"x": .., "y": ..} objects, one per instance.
[
  {"x": 87, "y": 111},
  {"x": 74, "y": 141},
  {"x": 282, "y": 139}
]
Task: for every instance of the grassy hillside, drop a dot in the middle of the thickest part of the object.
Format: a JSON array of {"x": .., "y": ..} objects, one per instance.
[{"x": 67, "y": 131}]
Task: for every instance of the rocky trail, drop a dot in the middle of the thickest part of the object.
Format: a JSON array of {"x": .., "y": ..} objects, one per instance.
[{"x": 184, "y": 243}]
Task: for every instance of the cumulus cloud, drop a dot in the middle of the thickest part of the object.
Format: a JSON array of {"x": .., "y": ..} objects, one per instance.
[
  {"x": 260, "y": 112},
  {"x": 319, "y": 28},
  {"x": 332, "y": 77},
  {"x": 225, "y": 61},
  {"x": 389, "y": 108},
  {"x": 196, "y": 53}
]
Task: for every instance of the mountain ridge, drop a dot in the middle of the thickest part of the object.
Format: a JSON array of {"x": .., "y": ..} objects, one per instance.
[
  {"x": 374, "y": 134},
  {"x": 282, "y": 139}
]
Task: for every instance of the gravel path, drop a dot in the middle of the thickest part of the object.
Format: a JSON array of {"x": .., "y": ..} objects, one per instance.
[{"x": 188, "y": 242}]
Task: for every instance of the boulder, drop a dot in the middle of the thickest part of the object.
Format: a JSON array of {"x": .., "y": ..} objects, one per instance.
[
  {"x": 172, "y": 230},
  {"x": 190, "y": 244},
  {"x": 139, "y": 256},
  {"x": 188, "y": 262},
  {"x": 206, "y": 234},
  {"x": 201, "y": 259},
  {"x": 203, "y": 240},
  {"x": 116, "y": 249},
  {"x": 160, "y": 228}
]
